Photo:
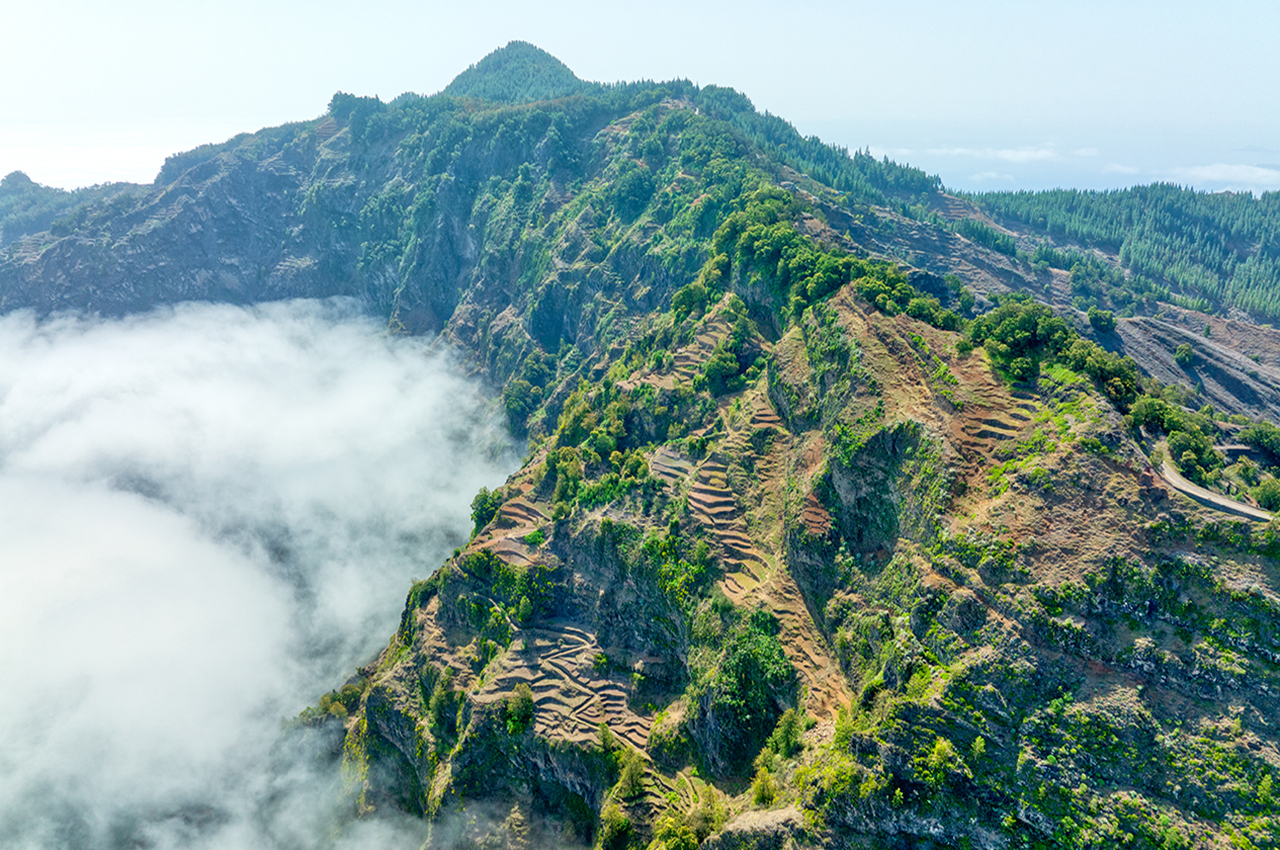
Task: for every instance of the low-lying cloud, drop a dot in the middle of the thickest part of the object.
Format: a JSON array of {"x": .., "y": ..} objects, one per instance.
[
  {"x": 209, "y": 515},
  {"x": 1235, "y": 177}
]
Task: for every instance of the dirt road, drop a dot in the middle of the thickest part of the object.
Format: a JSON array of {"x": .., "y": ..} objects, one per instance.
[{"x": 1209, "y": 499}]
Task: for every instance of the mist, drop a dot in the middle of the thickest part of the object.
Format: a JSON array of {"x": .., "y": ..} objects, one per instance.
[{"x": 209, "y": 516}]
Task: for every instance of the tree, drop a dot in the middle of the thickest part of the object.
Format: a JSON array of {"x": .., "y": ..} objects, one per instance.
[
  {"x": 631, "y": 783},
  {"x": 1184, "y": 354},
  {"x": 1103, "y": 321},
  {"x": 785, "y": 740},
  {"x": 483, "y": 508},
  {"x": 615, "y": 828},
  {"x": 763, "y": 788},
  {"x": 519, "y": 707}
]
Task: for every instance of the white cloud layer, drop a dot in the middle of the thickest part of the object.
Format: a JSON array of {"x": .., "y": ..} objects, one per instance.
[
  {"x": 1227, "y": 176},
  {"x": 209, "y": 516}
]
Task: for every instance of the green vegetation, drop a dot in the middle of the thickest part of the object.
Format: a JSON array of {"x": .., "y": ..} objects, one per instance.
[
  {"x": 517, "y": 73},
  {"x": 631, "y": 780},
  {"x": 1266, "y": 438},
  {"x": 1021, "y": 335},
  {"x": 519, "y": 709},
  {"x": 652, "y": 261},
  {"x": 484, "y": 507},
  {"x": 1190, "y": 436},
  {"x": 985, "y": 235},
  {"x": 1211, "y": 250},
  {"x": 1268, "y": 494},
  {"x": 27, "y": 207},
  {"x": 742, "y": 693},
  {"x": 1102, "y": 321}
]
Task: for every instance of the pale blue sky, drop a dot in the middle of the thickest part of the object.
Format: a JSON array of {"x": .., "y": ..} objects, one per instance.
[{"x": 988, "y": 94}]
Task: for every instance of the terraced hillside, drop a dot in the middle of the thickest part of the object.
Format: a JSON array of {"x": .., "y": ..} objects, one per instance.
[
  {"x": 831, "y": 533},
  {"x": 995, "y": 626}
]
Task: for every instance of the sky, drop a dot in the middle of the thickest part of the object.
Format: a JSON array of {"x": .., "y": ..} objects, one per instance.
[
  {"x": 989, "y": 94},
  {"x": 209, "y": 516}
]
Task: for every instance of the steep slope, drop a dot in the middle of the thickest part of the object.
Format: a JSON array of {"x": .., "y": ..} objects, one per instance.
[
  {"x": 802, "y": 552},
  {"x": 1005, "y": 632}
]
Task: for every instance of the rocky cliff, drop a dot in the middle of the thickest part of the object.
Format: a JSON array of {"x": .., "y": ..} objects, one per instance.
[{"x": 792, "y": 562}]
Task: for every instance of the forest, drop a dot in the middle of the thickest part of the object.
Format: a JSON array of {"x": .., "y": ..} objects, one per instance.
[{"x": 1212, "y": 251}]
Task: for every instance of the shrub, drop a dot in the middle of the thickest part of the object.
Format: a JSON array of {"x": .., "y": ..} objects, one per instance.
[
  {"x": 1268, "y": 494},
  {"x": 519, "y": 709},
  {"x": 1103, "y": 321},
  {"x": 673, "y": 833},
  {"x": 746, "y": 691},
  {"x": 615, "y": 828},
  {"x": 631, "y": 782},
  {"x": 484, "y": 507},
  {"x": 1184, "y": 354},
  {"x": 785, "y": 740},
  {"x": 763, "y": 788}
]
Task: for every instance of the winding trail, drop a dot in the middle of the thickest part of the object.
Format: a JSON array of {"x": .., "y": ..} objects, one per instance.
[{"x": 1208, "y": 498}]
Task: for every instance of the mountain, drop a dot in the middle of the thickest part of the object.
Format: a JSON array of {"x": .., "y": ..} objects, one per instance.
[
  {"x": 517, "y": 73},
  {"x": 843, "y": 524}
]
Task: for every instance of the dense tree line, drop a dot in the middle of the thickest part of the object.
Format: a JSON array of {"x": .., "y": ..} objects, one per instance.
[{"x": 1212, "y": 250}]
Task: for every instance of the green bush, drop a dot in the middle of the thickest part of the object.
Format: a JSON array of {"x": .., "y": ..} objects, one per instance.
[
  {"x": 519, "y": 707},
  {"x": 763, "y": 787},
  {"x": 1268, "y": 494},
  {"x": 785, "y": 740},
  {"x": 631, "y": 782},
  {"x": 747, "y": 689},
  {"x": 615, "y": 828},
  {"x": 484, "y": 507},
  {"x": 1103, "y": 321}
]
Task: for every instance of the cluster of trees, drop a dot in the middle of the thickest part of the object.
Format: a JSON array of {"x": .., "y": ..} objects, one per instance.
[
  {"x": 1215, "y": 250},
  {"x": 523, "y": 394},
  {"x": 27, "y": 207},
  {"x": 745, "y": 693},
  {"x": 1020, "y": 335},
  {"x": 1265, "y": 437},
  {"x": 1189, "y": 436},
  {"x": 759, "y": 242},
  {"x": 860, "y": 175},
  {"x": 989, "y": 237},
  {"x": 517, "y": 73}
]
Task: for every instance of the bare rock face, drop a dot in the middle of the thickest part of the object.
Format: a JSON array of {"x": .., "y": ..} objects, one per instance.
[{"x": 1230, "y": 379}]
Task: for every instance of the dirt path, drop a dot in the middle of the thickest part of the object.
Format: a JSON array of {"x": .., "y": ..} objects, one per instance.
[{"x": 1209, "y": 499}]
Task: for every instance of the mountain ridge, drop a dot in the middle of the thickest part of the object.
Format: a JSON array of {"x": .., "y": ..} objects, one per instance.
[{"x": 829, "y": 535}]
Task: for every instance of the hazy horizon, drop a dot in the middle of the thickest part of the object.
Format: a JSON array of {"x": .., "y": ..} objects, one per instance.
[{"x": 988, "y": 96}]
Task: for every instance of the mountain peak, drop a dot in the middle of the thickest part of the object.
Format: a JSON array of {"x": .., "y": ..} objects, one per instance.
[{"x": 517, "y": 73}]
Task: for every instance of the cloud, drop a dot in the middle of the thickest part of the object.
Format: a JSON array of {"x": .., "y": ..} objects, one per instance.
[
  {"x": 1117, "y": 168},
  {"x": 1227, "y": 176},
  {"x": 209, "y": 516},
  {"x": 991, "y": 177},
  {"x": 1013, "y": 155}
]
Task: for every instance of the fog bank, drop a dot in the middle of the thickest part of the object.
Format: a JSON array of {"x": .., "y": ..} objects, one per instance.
[{"x": 209, "y": 515}]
